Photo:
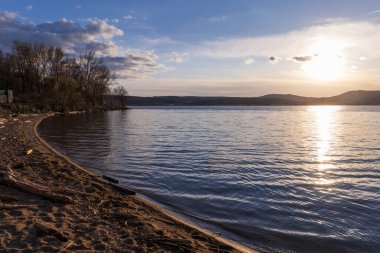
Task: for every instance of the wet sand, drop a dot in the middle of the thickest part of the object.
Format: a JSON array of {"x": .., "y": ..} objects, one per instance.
[{"x": 76, "y": 210}]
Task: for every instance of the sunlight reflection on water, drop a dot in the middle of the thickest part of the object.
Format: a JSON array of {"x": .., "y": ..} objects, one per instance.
[{"x": 325, "y": 123}]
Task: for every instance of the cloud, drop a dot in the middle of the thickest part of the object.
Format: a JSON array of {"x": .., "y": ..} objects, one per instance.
[
  {"x": 128, "y": 17},
  {"x": 29, "y": 7},
  {"x": 150, "y": 42},
  {"x": 176, "y": 57},
  {"x": 7, "y": 16},
  {"x": 76, "y": 39},
  {"x": 355, "y": 39},
  {"x": 374, "y": 12},
  {"x": 217, "y": 19},
  {"x": 103, "y": 29},
  {"x": 64, "y": 33},
  {"x": 303, "y": 58},
  {"x": 249, "y": 61},
  {"x": 273, "y": 60},
  {"x": 78, "y": 7},
  {"x": 134, "y": 64}
]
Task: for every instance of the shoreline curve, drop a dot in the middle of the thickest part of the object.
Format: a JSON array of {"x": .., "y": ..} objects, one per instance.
[{"x": 233, "y": 244}]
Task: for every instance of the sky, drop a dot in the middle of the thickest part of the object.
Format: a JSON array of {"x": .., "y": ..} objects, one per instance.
[{"x": 212, "y": 47}]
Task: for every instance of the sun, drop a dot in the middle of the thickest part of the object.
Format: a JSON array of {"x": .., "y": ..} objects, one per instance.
[{"x": 327, "y": 62}]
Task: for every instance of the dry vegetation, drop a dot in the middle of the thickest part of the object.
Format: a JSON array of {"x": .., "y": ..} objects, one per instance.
[{"x": 44, "y": 77}]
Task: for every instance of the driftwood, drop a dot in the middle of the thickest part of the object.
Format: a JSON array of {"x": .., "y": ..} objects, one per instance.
[
  {"x": 12, "y": 207},
  {"x": 69, "y": 191},
  {"x": 173, "y": 242},
  {"x": 97, "y": 186},
  {"x": 8, "y": 178},
  {"x": 110, "y": 179},
  {"x": 69, "y": 243},
  {"x": 116, "y": 187},
  {"x": 123, "y": 189},
  {"x": 5, "y": 198}
]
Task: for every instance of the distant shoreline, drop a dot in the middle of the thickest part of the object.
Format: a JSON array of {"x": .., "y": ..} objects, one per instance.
[{"x": 348, "y": 98}]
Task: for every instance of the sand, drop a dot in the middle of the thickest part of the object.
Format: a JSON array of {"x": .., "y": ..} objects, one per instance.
[{"x": 94, "y": 217}]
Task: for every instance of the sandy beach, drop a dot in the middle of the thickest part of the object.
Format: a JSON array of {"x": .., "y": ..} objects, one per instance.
[{"x": 48, "y": 204}]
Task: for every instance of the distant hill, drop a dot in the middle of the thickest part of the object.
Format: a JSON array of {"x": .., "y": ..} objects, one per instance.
[
  {"x": 349, "y": 98},
  {"x": 293, "y": 98},
  {"x": 359, "y": 97}
]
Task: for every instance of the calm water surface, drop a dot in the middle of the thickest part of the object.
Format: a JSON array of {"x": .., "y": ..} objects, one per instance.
[{"x": 302, "y": 179}]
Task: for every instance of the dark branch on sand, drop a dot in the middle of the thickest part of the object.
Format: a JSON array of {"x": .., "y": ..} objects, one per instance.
[{"x": 9, "y": 178}]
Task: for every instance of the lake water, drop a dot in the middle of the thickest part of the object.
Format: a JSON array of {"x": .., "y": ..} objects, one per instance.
[{"x": 279, "y": 179}]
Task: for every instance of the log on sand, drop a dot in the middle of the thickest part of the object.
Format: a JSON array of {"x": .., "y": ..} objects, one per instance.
[
  {"x": 12, "y": 207},
  {"x": 7, "y": 199},
  {"x": 8, "y": 178}
]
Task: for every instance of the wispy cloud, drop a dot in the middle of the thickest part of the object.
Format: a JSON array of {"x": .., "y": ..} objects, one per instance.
[
  {"x": 216, "y": 19},
  {"x": 29, "y": 7},
  {"x": 303, "y": 58},
  {"x": 355, "y": 38},
  {"x": 374, "y": 12},
  {"x": 249, "y": 61},
  {"x": 163, "y": 41},
  {"x": 176, "y": 57},
  {"x": 128, "y": 17}
]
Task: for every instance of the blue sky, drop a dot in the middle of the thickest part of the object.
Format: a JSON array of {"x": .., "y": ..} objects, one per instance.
[{"x": 214, "y": 47}]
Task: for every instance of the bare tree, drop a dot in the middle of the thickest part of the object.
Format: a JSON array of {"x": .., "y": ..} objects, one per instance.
[
  {"x": 42, "y": 75},
  {"x": 66, "y": 91},
  {"x": 57, "y": 64},
  {"x": 22, "y": 52},
  {"x": 121, "y": 93},
  {"x": 42, "y": 70},
  {"x": 7, "y": 75},
  {"x": 95, "y": 78}
]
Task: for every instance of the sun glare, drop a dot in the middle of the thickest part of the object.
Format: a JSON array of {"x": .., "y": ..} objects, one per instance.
[
  {"x": 324, "y": 119},
  {"x": 327, "y": 62}
]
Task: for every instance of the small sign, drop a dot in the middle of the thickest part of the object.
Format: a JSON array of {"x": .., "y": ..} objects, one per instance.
[
  {"x": 10, "y": 96},
  {"x": 6, "y": 96}
]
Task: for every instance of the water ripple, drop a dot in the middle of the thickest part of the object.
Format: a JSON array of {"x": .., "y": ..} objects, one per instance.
[{"x": 281, "y": 179}]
